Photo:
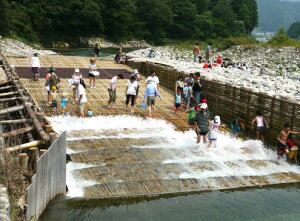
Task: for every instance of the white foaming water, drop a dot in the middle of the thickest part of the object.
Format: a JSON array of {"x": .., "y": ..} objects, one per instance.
[
  {"x": 229, "y": 158},
  {"x": 76, "y": 187}
]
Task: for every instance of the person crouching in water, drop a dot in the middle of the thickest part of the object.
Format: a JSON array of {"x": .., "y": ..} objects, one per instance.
[
  {"x": 293, "y": 154},
  {"x": 202, "y": 124},
  {"x": 282, "y": 137},
  {"x": 150, "y": 94},
  {"x": 236, "y": 125}
]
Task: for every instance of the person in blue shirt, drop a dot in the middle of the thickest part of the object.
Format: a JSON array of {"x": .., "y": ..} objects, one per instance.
[
  {"x": 177, "y": 102},
  {"x": 149, "y": 96},
  {"x": 63, "y": 102}
]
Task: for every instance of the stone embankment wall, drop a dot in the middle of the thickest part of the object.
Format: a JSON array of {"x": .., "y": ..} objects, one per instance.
[{"x": 228, "y": 102}]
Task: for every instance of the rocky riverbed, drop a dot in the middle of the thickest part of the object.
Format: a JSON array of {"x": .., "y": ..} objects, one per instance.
[
  {"x": 15, "y": 47},
  {"x": 275, "y": 72}
]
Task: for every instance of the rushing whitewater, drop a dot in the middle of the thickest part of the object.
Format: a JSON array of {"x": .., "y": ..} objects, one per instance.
[{"x": 229, "y": 158}]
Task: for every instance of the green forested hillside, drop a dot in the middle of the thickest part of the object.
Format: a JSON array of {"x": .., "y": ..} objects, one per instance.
[
  {"x": 274, "y": 14},
  {"x": 120, "y": 20}
]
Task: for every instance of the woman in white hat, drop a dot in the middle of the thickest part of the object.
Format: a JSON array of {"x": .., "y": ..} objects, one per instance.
[
  {"x": 76, "y": 78},
  {"x": 202, "y": 123}
]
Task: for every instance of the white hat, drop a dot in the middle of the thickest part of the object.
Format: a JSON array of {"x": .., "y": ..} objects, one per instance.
[
  {"x": 217, "y": 119},
  {"x": 136, "y": 71},
  {"x": 77, "y": 70},
  {"x": 203, "y": 106}
]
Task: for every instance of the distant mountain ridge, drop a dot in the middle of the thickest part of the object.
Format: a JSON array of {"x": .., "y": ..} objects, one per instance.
[{"x": 274, "y": 14}]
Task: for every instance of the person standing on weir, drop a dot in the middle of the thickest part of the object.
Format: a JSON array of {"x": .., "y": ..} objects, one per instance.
[
  {"x": 112, "y": 90},
  {"x": 35, "y": 66},
  {"x": 197, "y": 88},
  {"x": 196, "y": 52},
  {"x": 81, "y": 98},
  {"x": 154, "y": 79},
  {"x": 202, "y": 123},
  {"x": 97, "y": 47},
  {"x": 149, "y": 96}
]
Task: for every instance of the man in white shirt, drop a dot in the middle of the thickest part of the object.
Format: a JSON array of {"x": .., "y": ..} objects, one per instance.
[
  {"x": 81, "y": 98},
  {"x": 154, "y": 79},
  {"x": 112, "y": 90},
  {"x": 35, "y": 66}
]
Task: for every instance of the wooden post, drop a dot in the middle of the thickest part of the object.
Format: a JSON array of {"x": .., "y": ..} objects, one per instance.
[
  {"x": 52, "y": 137},
  {"x": 293, "y": 115},
  {"x": 9, "y": 93},
  {"x": 23, "y": 161},
  {"x": 33, "y": 158},
  {"x": 42, "y": 151}
]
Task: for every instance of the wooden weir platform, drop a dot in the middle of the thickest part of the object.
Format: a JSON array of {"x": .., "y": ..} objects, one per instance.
[{"x": 120, "y": 167}]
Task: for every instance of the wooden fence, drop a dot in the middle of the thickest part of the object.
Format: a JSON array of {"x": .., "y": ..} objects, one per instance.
[
  {"x": 228, "y": 102},
  {"x": 49, "y": 180}
]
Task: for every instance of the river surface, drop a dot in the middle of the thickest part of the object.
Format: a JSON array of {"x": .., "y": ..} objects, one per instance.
[
  {"x": 89, "y": 52},
  {"x": 272, "y": 203}
]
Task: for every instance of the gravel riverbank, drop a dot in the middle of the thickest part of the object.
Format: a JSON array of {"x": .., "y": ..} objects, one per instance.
[{"x": 275, "y": 72}]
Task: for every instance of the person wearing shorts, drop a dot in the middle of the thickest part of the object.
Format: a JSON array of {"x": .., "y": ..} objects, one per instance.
[
  {"x": 81, "y": 98},
  {"x": 35, "y": 66},
  {"x": 293, "y": 154},
  {"x": 112, "y": 90},
  {"x": 236, "y": 125},
  {"x": 149, "y": 96},
  {"x": 202, "y": 123}
]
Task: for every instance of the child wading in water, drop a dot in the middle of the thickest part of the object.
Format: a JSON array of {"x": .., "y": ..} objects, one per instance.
[
  {"x": 213, "y": 132},
  {"x": 293, "y": 154},
  {"x": 261, "y": 125},
  {"x": 192, "y": 113},
  {"x": 188, "y": 94},
  {"x": 63, "y": 102},
  {"x": 178, "y": 102},
  {"x": 282, "y": 139},
  {"x": 54, "y": 103}
]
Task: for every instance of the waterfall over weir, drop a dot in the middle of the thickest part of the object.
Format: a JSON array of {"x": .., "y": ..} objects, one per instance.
[{"x": 130, "y": 156}]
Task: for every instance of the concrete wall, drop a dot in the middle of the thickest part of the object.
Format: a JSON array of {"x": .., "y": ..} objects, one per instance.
[{"x": 49, "y": 180}]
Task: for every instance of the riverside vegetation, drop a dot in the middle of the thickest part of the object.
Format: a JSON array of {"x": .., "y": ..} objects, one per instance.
[{"x": 155, "y": 21}]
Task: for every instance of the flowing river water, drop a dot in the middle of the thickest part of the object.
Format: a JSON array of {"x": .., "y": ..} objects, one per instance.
[{"x": 239, "y": 163}]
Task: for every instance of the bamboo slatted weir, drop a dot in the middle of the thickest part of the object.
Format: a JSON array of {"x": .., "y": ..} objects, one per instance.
[{"x": 117, "y": 165}]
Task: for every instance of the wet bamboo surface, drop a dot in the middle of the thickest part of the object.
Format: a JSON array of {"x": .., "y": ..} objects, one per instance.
[
  {"x": 65, "y": 62},
  {"x": 131, "y": 167}
]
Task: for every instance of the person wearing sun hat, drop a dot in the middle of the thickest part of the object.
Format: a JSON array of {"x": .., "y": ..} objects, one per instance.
[
  {"x": 202, "y": 123},
  {"x": 76, "y": 78}
]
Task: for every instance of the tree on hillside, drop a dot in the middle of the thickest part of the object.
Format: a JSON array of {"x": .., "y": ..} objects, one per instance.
[
  {"x": 119, "y": 19},
  {"x": 294, "y": 30},
  {"x": 185, "y": 14},
  {"x": 246, "y": 11},
  {"x": 4, "y": 20},
  {"x": 155, "y": 17}
]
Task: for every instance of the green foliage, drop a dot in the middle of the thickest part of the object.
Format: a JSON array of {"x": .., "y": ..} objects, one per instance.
[
  {"x": 294, "y": 30},
  {"x": 281, "y": 39},
  {"x": 156, "y": 21}
]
